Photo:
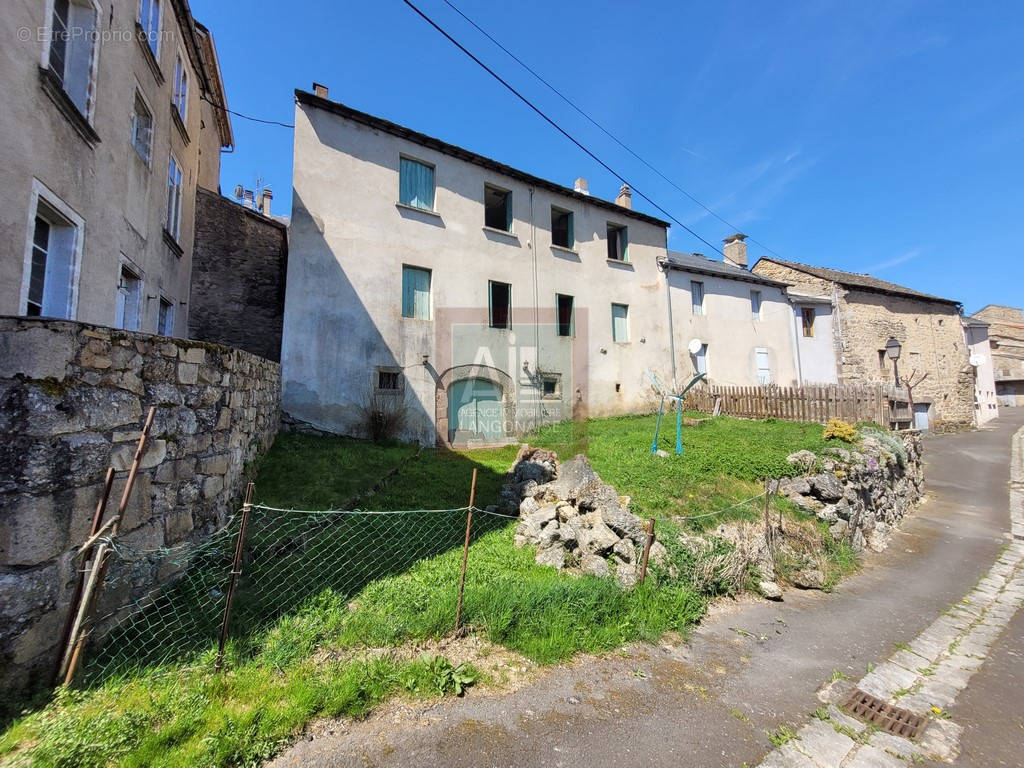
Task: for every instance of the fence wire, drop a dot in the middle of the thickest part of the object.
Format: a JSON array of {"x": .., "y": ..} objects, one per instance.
[{"x": 290, "y": 557}]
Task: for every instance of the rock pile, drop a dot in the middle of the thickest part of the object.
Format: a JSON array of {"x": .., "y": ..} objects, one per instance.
[
  {"x": 860, "y": 493},
  {"x": 576, "y": 521}
]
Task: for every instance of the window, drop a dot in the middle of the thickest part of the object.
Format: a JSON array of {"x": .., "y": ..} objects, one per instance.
[
  {"x": 561, "y": 228},
  {"x": 501, "y": 304},
  {"x": 387, "y": 380},
  {"x": 755, "y": 304},
  {"x": 50, "y": 264},
  {"x": 566, "y": 315},
  {"x": 129, "y": 300},
  {"x": 416, "y": 293},
  {"x": 620, "y": 323},
  {"x": 881, "y": 360},
  {"x": 697, "y": 296},
  {"x": 497, "y": 208},
  {"x": 617, "y": 242},
  {"x": 702, "y": 359},
  {"x": 72, "y": 49},
  {"x": 550, "y": 387},
  {"x": 142, "y": 128},
  {"x": 165, "y": 318},
  {"x": 174, "y": 197},
  {"x": 764, "y": 368},
  {"x": 807, "y": 318},
  {"x": 180, "y": 96},
  {"x": 416, "y": 184},
  {"x": 149, "y": 20}
]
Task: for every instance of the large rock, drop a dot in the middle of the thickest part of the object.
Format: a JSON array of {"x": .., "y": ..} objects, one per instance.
[
  {"x": 595, "y": 565},
  {"x": 573, "y": 476},
  {"x": 827, "y": 487},
  {"x": 553, "y": 556},
  {"x": 593, "y": 535}
]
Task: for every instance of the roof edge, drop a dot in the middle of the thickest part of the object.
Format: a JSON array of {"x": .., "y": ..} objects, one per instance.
[{"x": 312, "y": 100}]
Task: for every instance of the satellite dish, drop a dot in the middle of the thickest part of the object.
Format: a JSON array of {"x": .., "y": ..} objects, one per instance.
[
  {"x": 694, "y": 346},
  {"x": 977, "y": 360}
]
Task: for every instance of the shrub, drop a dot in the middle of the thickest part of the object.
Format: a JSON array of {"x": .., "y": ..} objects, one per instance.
[
  {"x": 893, "y": 442},
  {"x": 383, "y": 415},
  {"x": 837, "y": 429}
]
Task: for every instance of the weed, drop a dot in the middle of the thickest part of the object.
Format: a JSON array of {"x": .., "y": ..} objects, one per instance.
[
  {"x": 782, "y": 736},
  {"x": 902, "y": 647},
  {"x": 837, "y": 675},
  {"x": 739, "y": 715},
  {"x": 821, "y": 713},
  {"x": 435, "y": 674}
]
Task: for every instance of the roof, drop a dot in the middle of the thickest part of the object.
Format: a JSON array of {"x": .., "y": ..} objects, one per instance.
[
  {"x": 220, "y": 107},
  {"x": 379, "y": 123},
  {"x": 695, "y": 262},
  {"x": 855, "y": 280},
  {"x": 970, "y": 321}
]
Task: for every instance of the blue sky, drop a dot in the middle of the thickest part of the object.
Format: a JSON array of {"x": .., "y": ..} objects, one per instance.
[{"x": 882, "y": 137}]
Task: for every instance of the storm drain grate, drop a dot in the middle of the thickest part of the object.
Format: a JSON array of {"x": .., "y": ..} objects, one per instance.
[{"x": 889, "y": 718}]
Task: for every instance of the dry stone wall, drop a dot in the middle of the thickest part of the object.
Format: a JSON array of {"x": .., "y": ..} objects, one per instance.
[{"x": 73, "y": 398}]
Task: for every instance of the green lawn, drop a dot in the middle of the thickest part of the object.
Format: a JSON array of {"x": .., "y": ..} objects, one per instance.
[{"x": 321, "y": 590}]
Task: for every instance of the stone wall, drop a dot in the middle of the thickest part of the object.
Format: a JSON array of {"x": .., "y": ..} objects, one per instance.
[
  {"x": 73, "y": 398},
  {"x": 238, "y": 276}
]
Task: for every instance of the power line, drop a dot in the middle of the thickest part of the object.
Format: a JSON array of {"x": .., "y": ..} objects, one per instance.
[
  {"x": 600, "y": 127},
  {"x": 246, "y": 117},
  {"x": 556, "y": 126}
]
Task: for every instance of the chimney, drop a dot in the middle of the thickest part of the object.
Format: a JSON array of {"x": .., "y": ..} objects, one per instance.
[
  {"x": 247, "y": 200},
  {"x": 320, "y": 90},
  {"x": 736, "y": 250},
  {"x": 239, "y": 192},
  {"x": 625, "y": 198},
  {"x": 581, "y": 186},
  {"x": 267, "y": 197}
]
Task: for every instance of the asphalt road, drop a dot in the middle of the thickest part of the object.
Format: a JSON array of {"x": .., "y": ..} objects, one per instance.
[{"x": 751, "y": 667}]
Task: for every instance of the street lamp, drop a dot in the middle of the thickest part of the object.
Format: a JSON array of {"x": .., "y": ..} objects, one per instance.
[{"x": 892, "y": 350}]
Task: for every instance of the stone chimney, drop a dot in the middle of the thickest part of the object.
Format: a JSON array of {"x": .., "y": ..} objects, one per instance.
[
  {"x": 320, "y": 90},
  {"x": 625, "y": 198},
  {"x": 581, "y": 186},
  {"x": 265, "y": 199},
  {"x": 736, "y": 250}
]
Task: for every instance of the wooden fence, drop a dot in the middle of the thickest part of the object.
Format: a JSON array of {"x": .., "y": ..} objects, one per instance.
[{"x": 808, "y": 403}]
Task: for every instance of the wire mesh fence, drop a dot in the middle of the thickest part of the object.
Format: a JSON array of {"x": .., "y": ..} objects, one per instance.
[{"x": 289, "y": 558}]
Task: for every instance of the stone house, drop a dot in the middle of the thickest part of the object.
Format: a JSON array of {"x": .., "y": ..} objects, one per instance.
[
  {"x": 476, "y": 298},
  {"x": 866, "y": 312},
  {"x": 739, "y": 321},
  {"x": 113, "y": 115},
  {"x": 1006, "y": 336}
]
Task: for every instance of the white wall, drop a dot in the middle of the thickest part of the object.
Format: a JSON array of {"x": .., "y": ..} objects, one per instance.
[
  {"x": 986, "y": 405},
  {"x": 343, "y": 306},
  {"x": 817, "y": 355}
]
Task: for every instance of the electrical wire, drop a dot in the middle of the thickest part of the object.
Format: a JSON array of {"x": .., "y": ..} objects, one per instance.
[
  {"x": 247, "y": 117},
  {"x": 600, "y": 127},
  {"x": 557, "y": 127}
]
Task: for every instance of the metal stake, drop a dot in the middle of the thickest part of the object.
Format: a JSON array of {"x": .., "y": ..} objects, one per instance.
[
  {"x": 465, "y": 552},
  {"x": 647, "y": 550},
  {"x": 236, "y": 571}
]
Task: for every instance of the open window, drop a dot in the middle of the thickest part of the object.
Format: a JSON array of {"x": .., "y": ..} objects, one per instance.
[
  {"x": 71, "y": 55},
  {"x": 497, "y": 208},
  {"x": 51, "y": 262},
  {"x": 807, "y": 321},
  {"x": 566, "y": 315},
  {"x": 618, "y": 242},
  {"x": 562, "y": 233},
  {"x": 500, "y": 304}
]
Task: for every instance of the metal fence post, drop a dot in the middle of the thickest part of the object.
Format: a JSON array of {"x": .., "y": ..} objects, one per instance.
[
  {"x": 465, "y": 552},
  {"x": 236, "y": 571},
  {"x": 647, "y": 550}
]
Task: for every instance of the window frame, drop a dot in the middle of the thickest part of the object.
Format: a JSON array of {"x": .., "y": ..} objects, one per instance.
[
  {"x": 433, "y": 177},
  {"x": 148, "y": 157},
  {"x": 490, "y": 306},
  {"x": 94, "y": 54},
  {"x": 126, "y": 265},
  {"x": 558, "y": 316},
  {"x": 807, "y": 329},
  {"x": 57, "y": 208},
  {"x": 182, "y": 80},
  {"x": 169, "y": 303},
  {"x": 570, "y": 229},
  {"x": 697, "y": 307},
  {"x": 625, "y": 318},
  {"x": 389, "y": 371},
  {"x": 172, "y": 164},
  {"x": 430, "y": 292},
  {"x": 755, "y": 307},
  {"x": 510, "y": 218},
  {"x": 622, "y": 242},
  {"x": 152, "y": 35}
]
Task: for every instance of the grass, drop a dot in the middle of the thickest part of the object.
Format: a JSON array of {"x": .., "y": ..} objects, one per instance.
[{"x": 319, "y": 649}]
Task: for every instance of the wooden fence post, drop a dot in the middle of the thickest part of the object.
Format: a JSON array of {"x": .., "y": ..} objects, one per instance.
[
  {"x": 465, "y": 552},
  {"x": 236, "y": 571},
  {"x": 647, "y": 550}
]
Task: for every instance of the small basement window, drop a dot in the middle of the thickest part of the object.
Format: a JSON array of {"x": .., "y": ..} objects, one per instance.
[
  {"x": 500, "y": 304},
  {"x": 550, "y": 387},
  {"x": 497, "y": 208},
  {"x": 566, "y": 315},
  {"x": 562, "y": 233},
  {"x": 618, "y": 242},
  {"x": 387, "y": 380}
]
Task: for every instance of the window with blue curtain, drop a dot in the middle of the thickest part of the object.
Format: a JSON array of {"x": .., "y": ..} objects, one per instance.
[
  {"x": 416, "y": 293},
  {"x": 620, "y": 322},
  {"x": 416, "y": 184}
]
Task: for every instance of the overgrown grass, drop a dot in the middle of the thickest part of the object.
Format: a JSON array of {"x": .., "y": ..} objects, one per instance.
[{"x": 317, "y": 656}]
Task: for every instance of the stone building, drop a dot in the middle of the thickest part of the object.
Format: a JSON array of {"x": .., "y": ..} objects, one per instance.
[
  {"x": 238, "y": 275},
  {"x": 113, "y": 114},
  {"x": 1006, "y": 337},
  {"x": 867, "y": 312}
]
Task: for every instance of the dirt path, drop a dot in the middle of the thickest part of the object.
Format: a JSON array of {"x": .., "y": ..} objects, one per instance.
[{"x": 752, "y": 666}]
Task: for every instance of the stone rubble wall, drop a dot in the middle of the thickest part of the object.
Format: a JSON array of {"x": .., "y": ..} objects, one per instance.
[
  {"x": 73, "y": 399},
  {"x": 861, "y": 491}
]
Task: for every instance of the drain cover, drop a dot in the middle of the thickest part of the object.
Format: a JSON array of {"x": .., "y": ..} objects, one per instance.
[{"x": 891, "y": 719}]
